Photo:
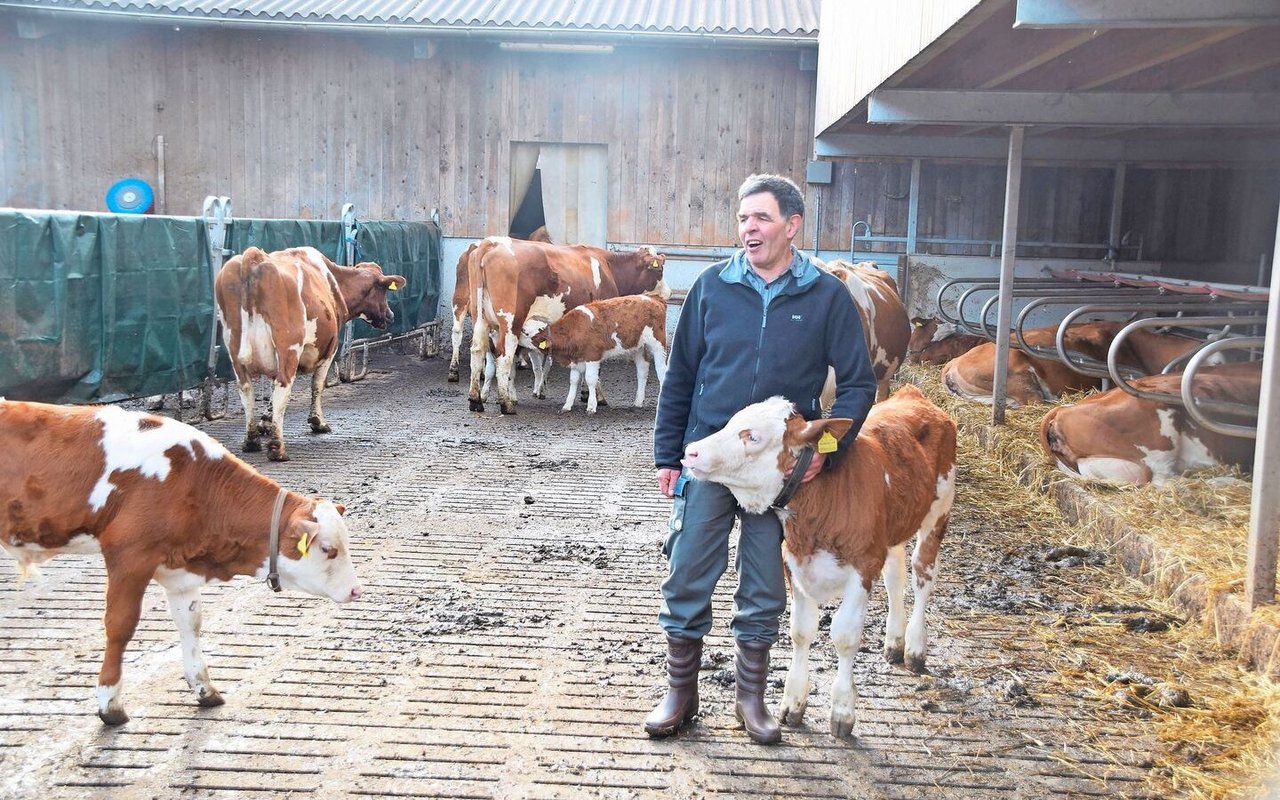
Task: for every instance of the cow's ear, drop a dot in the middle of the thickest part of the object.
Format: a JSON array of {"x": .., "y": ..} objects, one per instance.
[
  {"x": 342, "y": 509},
  {"x": 392, "y": 283}
]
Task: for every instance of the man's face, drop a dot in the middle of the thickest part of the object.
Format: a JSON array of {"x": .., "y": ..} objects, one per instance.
[{"x": 764, "y": 233}]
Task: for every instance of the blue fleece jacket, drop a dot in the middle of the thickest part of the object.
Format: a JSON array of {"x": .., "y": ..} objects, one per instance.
[{"x": 731, "y": 350}]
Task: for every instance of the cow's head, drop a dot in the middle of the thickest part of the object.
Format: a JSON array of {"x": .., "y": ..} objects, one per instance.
[
  {"x": 638, "y": 272},
  {"x": 752, "y": 453},
  {"x": 367, "y": 298},
  {"x": 558, "y": 348},
  {"x": 314, "y": 553}
]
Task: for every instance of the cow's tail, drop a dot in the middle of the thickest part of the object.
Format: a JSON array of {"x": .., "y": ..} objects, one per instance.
[{"x": 251, "y": 275}]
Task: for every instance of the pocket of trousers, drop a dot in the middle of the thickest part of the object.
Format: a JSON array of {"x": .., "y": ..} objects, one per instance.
[{"x": 675, "y": 524}]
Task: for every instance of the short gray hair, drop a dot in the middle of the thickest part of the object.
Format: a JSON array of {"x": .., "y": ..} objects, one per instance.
[{"x": 784, "y": 190}]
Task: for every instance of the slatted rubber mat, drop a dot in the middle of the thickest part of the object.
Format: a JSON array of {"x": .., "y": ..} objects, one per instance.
[{"x": 506, "y": 645}]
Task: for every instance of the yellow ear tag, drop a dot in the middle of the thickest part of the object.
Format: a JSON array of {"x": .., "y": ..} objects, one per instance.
[
  {"x": 826, "y": 443},
  {"x": 653, "y": 264},
  {"x": 542, "y": 345},
  {"x": 303, "y": 543},
  {"x": 392, "y": 287}
]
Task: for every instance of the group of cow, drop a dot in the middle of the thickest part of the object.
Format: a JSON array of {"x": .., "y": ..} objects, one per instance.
[
  {"x": 1112, "y": 436},
  {"x": 161, "y": 500}
]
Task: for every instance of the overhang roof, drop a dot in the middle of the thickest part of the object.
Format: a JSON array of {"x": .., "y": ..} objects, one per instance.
[
  {"x": 1158, "y": 80},
  {"x": 792, "y": 22}
]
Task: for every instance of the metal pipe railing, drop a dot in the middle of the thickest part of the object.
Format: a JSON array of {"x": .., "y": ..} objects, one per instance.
[{"x": 1194, "y": 406}]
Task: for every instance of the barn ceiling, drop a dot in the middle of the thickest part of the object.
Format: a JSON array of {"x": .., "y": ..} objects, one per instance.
[{"x": 1162, "y": 80}]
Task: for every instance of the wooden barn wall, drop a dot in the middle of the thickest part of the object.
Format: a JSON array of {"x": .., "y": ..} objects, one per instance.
[
  {"x": 1183, "y": 216},
  {"x": 294, "y": 124}
]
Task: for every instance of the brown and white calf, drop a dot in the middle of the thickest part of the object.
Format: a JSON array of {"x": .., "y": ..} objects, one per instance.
[
  {"x": 847, "y": 525},
  {"x": 163, "y": 501},
  {"x": 936, "y": 342},
  {"x": 885, "y": 326},
  {"x": 282, "y": 315},
  {"x": 631, "y": 325},
  {"x": 1115, "y": 437}
]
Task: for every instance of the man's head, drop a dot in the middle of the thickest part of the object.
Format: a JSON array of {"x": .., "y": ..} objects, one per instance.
[{"x": 770, "y": 214}]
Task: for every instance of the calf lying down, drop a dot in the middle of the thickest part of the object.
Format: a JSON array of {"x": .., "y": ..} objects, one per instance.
[
  {"x": 162, "y": 501},
  {"x": 847, "y": 525},
  {"x": 1117, "y": 438}
]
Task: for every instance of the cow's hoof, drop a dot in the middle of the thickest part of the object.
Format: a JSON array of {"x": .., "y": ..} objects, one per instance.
[
  {"x": 252, "y": 446},
  {"x": 211, "y": 700},
  {"x": 317, "y": 426},
  {"x": 915, "y": 663},
  {"x": 453, "y": 377},
  {"x": 508, "y": 408},
  {"x": 477, "y": 405},
  {"x": 277, "y": 453},
  {"x": 540, "y": 395},
  {"x": 842, "y": 728},
  {"x": 113, "y": 716},
  {"x": 893, "y": 653},
  {"x": 791, "y": 716}
]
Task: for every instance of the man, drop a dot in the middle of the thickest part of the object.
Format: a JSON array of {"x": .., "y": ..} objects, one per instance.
[{"x": 765, "y": 322}]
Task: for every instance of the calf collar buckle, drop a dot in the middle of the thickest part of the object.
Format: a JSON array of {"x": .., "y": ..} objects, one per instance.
[
  {"x": 797, "y": 475},
  {"x": 273, "y": 544}
]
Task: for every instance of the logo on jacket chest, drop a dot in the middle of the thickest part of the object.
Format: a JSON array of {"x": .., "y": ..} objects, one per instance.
[{"x": 797, "y": 317}]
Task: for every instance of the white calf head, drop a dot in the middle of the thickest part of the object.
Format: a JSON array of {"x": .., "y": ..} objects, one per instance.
[
  {"x": 314, "y": 555},
  {"x": 756, "y": 448}
]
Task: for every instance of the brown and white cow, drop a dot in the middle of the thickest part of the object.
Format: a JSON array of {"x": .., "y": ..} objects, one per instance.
[
  {"x": 1032, "y": 379},
  {"x": 162, "y": 501},
  {"x": 885, "y": 325},
  {"x": 512, "y": 280},
  {"x": 847, "y": 525},
  {"x": 282, "y": 315},
  {"x": 936, "y": 342},
  {"x": 1115, "y": 437},
  {"x": 631, "y": 325}
]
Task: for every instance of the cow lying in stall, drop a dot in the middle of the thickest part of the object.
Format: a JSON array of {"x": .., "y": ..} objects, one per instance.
[
  {"x": 162, "y": 501},
  {"x": 589, "y": 334},
  {"x": 1118, "y": 438},
  {"x": 845, "y": 526},
  {"x": 282, "y": 314},
  {"x": 885, "y": 326},
  {"x": 1032, "y": 379},
  {"x": 936, "y": 342}
]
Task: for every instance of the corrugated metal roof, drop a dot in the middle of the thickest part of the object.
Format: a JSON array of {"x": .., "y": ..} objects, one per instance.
[{"x": 764, "y": 18}]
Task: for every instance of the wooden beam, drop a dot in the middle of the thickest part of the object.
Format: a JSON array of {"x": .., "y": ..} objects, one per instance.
[
  {"x": 1174, "y": 152},
  {"x": 1113, "y": 109},
  {"x": 1144, "y": 13}
]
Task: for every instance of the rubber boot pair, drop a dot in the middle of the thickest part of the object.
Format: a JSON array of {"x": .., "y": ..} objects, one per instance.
[{"x": 684, "y": 658}]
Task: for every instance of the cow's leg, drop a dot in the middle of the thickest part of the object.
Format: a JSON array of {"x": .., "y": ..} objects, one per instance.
[
  {"x": 459, "y": 323},
  {"x": 183, "y": 591},
  {"x": 804, "y": 629},
  {"x": 846, "y": 636},
  {"x": 316, "y": 418},
  {"x": 895, "y": 583},
  {"x": 924, "y": 574},
  {"x": 244, "y": 384},
  {"x": 642, "y": 375},
  {"x": 126, "y": 583},
  {"x": 479, "y": 352},
  {"x": 508, "y": 345},
  {"x": 280, "y": 393},
  {"x": 541, "y": 366},
  {"x": 575, "y": 377},
  {"x": 591, "y": 370}
]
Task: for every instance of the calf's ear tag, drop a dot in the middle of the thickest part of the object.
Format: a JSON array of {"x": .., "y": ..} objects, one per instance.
[
  {"x": 826, "y": 443},
  {"x": 392, "y": 287},
  {"x": 304, "y": 543},
  {"x": 542, "y": 345}
]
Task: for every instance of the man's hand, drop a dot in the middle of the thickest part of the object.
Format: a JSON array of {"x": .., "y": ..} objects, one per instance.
[
  {"x": 815, "y": 466},
  {"x": 667, "y": 480}
]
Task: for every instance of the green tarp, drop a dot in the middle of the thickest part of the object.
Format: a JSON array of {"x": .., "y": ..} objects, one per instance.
[{"x": 103, "y": 307}]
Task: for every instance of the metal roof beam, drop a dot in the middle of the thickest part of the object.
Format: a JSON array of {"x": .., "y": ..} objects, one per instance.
[
  {"x": 1144, "y": 13},
  {"x": 1108, "y": 109},
  {"x": 1182, "y": 152}
]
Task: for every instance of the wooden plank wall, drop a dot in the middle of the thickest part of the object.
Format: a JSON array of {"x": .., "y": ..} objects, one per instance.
[{"x": 294, "y": 124}]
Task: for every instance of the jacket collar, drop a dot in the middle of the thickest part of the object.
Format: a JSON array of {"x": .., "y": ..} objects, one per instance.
[{"x": 803, "y": 271}]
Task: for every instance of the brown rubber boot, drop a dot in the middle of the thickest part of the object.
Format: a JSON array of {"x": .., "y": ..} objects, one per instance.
[
  {"x": 684, "y": 657},
  {"x": 752, "y": 670}
]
